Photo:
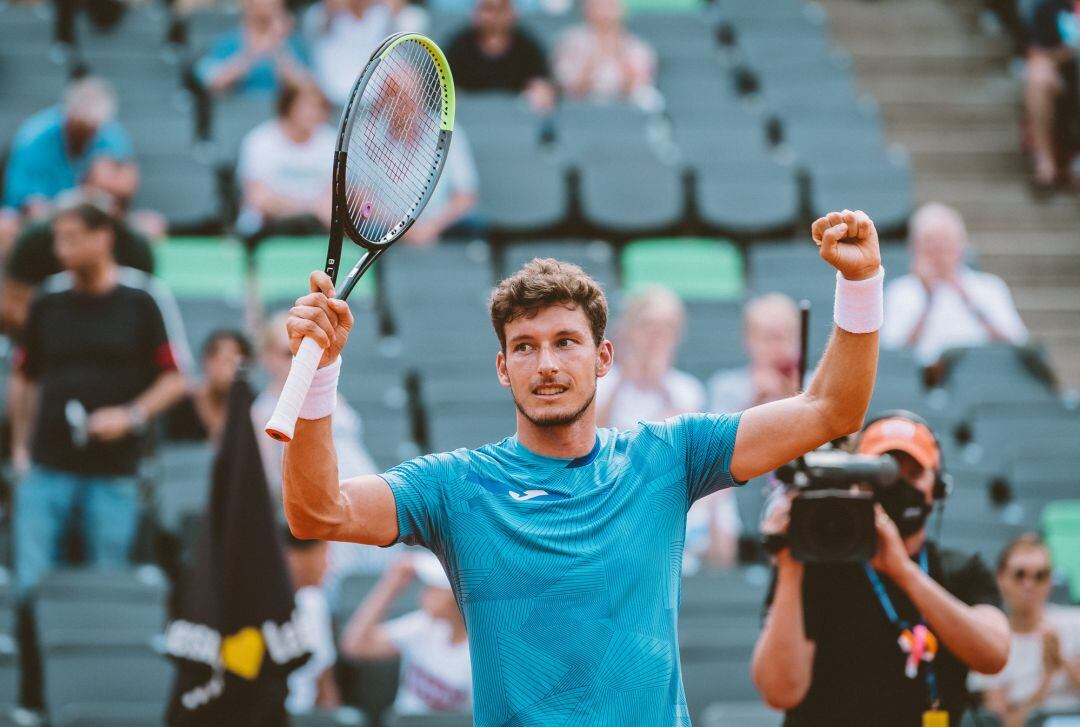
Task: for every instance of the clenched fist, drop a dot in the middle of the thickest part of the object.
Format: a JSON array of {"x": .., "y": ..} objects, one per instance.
[
  {"x": 849, "y": 242},
  {"x": 322, "y": 317}
]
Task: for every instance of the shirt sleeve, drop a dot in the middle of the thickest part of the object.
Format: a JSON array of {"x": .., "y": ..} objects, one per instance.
[
  {"x": 707, "y": 442},
  {"x": 224, "y": 48},
  {"x": 419, "y": 488},
  {"x": 161, "y": 355},
  {"x": 24, "y": 176}
]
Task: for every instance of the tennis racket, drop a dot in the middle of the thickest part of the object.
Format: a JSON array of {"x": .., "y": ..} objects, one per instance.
[{"x": 392, "y": 143}]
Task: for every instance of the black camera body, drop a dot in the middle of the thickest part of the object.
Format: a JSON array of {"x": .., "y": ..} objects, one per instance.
[{"x": 831, "y": 521}]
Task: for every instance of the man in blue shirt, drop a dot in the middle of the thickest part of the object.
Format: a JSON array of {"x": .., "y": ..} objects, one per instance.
[
  {"x": 53, "y": 151},
  {"x": 564, "y": 542}
]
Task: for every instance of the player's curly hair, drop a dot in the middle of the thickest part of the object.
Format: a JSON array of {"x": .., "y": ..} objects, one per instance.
[{"x": 545, "y": 282}]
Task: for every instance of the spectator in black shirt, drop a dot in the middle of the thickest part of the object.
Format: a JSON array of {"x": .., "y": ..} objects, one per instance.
[
  {"x": 1052, "y": 96},
  {"x": 495, "y": 54},
  {"x": 201, "y": 414},
  {"x": 837, "y": 646},
  {"x": 95, "y": 365}
]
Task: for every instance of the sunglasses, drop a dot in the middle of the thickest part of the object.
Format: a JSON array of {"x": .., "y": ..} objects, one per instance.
[{"x": 1022, "y": 574}]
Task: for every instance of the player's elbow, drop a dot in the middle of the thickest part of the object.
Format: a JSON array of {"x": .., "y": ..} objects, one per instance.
[
  {"x": 838, "y": 418},
  {"x": 305, "y": 526}
]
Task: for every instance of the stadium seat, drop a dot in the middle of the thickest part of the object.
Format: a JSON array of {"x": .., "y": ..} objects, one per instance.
[
  {"x": 440, "y": 276},
  {"x": 745, "y": 198},
  {"x": 705, "y": 98},
  {"x": 996, "y": 374},
  {"x": 595, "y": 257},
  {"x": 881, "y": 186},
  {"x": 1000, "y": 432},
  {"x": 206, "y": 24},
  {"x": 9, "y": 670},
  {"x": 182, "y": 484},
  {"x": 388, "y": 432},
  {"x": 632, "y": 196},
  {"x": 28, "y": 82},
  {"x": 24, "y": 28},
  {"x": 734, "y": 593},
  {"x": 428, "y": 720},
  {"x": 142, "y": 29},
  {"x": 497, "y": 120},
  {"x": 109, "y": 666},
  {"x": 187, "y": 192},
  {"x": 468, "y": 424},
  {"x": 201, "y": 267},
  {"x": 342, "y": 717},
  {"x": 899, "y": 382},
  {"x": 744, "y": 714},
  {"x": 694, "y": 268},
  {"x": 7, "y": 604},
  {"x": 282, "y": 263},
  {"x": 713, "y": 337},
  {"x": 821, "y": 140},
  {"x": 762, "y": 14},
  {"x": 592, "y": 130},
  {"x": 522, "y": 190},
  {"x": 1061, "y": 524},
  {"x": 234, "y": 116},
  {"x": 712, "y": 137},
  {"x": 665, "y": 6},
  {"x": 93, "y": 714},
  {"x": 711, "y": 675},
  {"x": 88, "y": 599}
]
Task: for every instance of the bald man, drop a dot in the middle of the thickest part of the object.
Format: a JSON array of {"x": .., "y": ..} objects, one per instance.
[{"x": 942, "y": 303}]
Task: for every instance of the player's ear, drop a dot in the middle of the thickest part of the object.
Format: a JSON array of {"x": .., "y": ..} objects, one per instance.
[
  {"x": 605, "y": 357},
  {"x": 500, "y": 369}
]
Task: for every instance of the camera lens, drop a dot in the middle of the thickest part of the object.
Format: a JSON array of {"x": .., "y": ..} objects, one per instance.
[{"x": 833, "y": 529}]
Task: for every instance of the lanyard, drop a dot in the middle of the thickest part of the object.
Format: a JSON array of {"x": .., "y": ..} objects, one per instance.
[{"x": 894, "y": 617}]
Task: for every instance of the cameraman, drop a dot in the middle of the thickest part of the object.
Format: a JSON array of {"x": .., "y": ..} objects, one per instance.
[{"x": 846, "y": 658}]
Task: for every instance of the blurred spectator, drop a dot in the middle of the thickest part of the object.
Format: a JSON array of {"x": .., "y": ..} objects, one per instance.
[
  {"x": 95, "y": 366},
  {"x": 284, "y": 167},
  {"x": 943, "y": 303},
  {"x": 645, "y": 386},
  {"x": 1053, "y": 88},
  {"x": 258, "y": 56},
  {"x": 201, "y": 413},
  {"x": 1043, "y": 671},
  {"x": 311, "y": 686},
  {"x": 56, "y": 149},
  {"x": 601, "y": 60},
  {"x": 496, "y": 54},
  {"x": 33, "y": 258},
  {"x": 436, "y": 674},
  {"x": 771, "y": 339},
  {"x": 450, "y": 212},
  {"x": 342, "y": 34}
]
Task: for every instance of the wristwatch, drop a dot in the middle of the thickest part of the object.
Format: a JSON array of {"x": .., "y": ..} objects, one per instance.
[{"x": 137, "y": 417}]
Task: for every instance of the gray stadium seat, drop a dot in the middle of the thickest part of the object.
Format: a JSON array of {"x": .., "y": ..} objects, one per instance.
[
  {"x": 468, "y": 424},
  {"x": 882, "y": 187},
  {"x": 711, "y": 676},
  {"x": 818, "y": 139},
  {"x": 429, "y": 720},
  {"x": 601, "y": 130},
  {"x": 717, "y": 139},
  {"x": 342, "y": 717},
  {"x": 110, "y": 715},
  {"x": 25, "y": 28},
  {"x": 202, "y": 316},
  {"x": 234, "y": 116},
  {"x": 712, "y": 339},
  {"x": 595, "y": 257},
  {"x": 547, "y": 28},
  {"x": 521, "y": 190},
  {"x": 9, "y": 670},
  {"x": 141, "y": 29},
  {"x": 103, "y": 666},
  {"x": 1001, "y": 432},
  {"x": 388, "y": 433},
  {"x": 206, "y": 24},
  {"x": 497, "y": 120},
  {"x": 436, "y": 277},
  {"x": 85, "y": 598},
  {"x": 743, "y": 714},
  {"x": 704, "y": 96},
  {"x": 899, "y": 382},
  {"x": 28, "y": 82},
  {"x": 185, "y": 191},
  {"x": 632, "y": 196},
  {"x": 997, "y": 374},
  {"x": 182, "y": 484},
  {"x": 7, "y": 604},
  {"x": 743, "y": 198}
]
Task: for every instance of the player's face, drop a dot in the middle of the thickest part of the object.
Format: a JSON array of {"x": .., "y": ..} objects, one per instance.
[
  {"x": 1025, "y": 580},
  {"x": 551, "y": 365}
]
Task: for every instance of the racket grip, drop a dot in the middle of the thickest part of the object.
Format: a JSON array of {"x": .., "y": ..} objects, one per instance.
[{"x": 283, "y": 422}]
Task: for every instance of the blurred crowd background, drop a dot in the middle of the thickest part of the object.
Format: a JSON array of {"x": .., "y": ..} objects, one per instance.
[{"x": 674, "y": 149}]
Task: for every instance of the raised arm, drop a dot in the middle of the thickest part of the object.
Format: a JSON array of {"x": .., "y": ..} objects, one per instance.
[
  {"x": 317, "y": 505},
  {"x": 836, "y": 400}
]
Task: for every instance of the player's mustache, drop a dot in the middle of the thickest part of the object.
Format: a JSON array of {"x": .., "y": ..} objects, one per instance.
[{"x": 545, "y": 383}]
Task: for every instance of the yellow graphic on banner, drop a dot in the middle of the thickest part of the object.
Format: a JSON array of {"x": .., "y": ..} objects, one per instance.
[{"x": 243, "y": 652}]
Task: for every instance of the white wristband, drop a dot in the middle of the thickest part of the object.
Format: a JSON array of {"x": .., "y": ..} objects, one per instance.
[
  {"x": 322, "y": 395},
  {"x": 859, "y": 306}
]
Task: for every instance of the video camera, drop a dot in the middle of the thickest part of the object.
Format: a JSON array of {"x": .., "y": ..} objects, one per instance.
[{"x": 830, "y": 521}]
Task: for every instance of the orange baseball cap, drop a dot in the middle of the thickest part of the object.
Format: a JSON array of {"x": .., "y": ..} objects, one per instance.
[{"x": 904, "y": 435}]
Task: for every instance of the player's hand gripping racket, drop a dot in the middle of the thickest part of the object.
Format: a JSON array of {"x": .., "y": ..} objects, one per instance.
[{"x": 392, "y": 143}]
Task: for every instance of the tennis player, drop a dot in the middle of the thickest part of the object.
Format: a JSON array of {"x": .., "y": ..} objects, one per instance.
[{"x": 564, "y": 542}]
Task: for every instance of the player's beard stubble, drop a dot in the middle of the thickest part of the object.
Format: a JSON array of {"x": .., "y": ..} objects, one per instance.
[{"x": 556, "y": 418}]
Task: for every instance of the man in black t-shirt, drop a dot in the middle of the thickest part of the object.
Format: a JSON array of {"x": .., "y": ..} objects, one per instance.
[
  {"x": 495, "y": 54},
  {"x": 1052, "y": 96},
  {"x": 881, "y": 643},
  {"x": 95, "y": 364}
]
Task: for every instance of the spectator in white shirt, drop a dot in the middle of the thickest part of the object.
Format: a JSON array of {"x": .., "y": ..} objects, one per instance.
[
  {"x": 436, "y": 674},
  {"x": 450, "y": 211},
  {"x": 342, "y": 34},
  {"x": 645, "y": 386},
  {"x": 771, "y": 339},
  {"x": 285, "y": 166},
  {"x": 311, "y": 685},
  {"x": 1043, "y": 671},
  {"x": 942, "y": 303}
]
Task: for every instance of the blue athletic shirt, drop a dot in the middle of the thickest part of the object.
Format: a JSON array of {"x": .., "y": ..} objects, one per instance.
[{"x": 568, "y": 571}]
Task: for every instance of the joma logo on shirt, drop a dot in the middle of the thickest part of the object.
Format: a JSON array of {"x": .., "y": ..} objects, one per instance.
[{"x": 529, "y": 494}]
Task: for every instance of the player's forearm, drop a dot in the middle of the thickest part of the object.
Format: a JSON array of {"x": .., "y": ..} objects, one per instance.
[
  {"x": 311, "y": 492},
  {"x": 977, "y": 635},
  {"x": 166, "y": 390},
  {"x": 783, "y": 662},
  {"x": 844, "y": 380}
]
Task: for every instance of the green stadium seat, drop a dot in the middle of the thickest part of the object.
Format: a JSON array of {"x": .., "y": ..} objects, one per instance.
[
  {"x": 282, "y": 266},
  {"x": 695, "y": 268},
  {"x": 747, "y": 198},
  {"x": 663, "y": 6},
  {"x": 201, "y": 267},
  {"x": 1061, "y": 524}
]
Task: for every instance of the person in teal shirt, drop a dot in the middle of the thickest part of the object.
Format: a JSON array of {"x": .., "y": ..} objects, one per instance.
[{"x": 563, "y": 542}]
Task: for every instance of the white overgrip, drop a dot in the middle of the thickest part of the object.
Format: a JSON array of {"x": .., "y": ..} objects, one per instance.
[{"x": 304, "y": 365}]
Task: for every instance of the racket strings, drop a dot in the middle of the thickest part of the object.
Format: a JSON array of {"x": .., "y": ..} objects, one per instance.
[{"x": 394, "y": 144}]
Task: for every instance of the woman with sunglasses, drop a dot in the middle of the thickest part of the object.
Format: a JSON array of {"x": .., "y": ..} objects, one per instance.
[{"x": 1043, "y": 671}]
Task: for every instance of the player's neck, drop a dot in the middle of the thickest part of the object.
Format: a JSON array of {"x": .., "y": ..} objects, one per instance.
[{"x": 565, "y": 442}]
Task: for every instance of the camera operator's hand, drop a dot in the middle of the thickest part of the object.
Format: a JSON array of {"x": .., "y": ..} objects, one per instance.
[
  {"x": 777, "y": 518},
  {"x": 891, "y": 557}
]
